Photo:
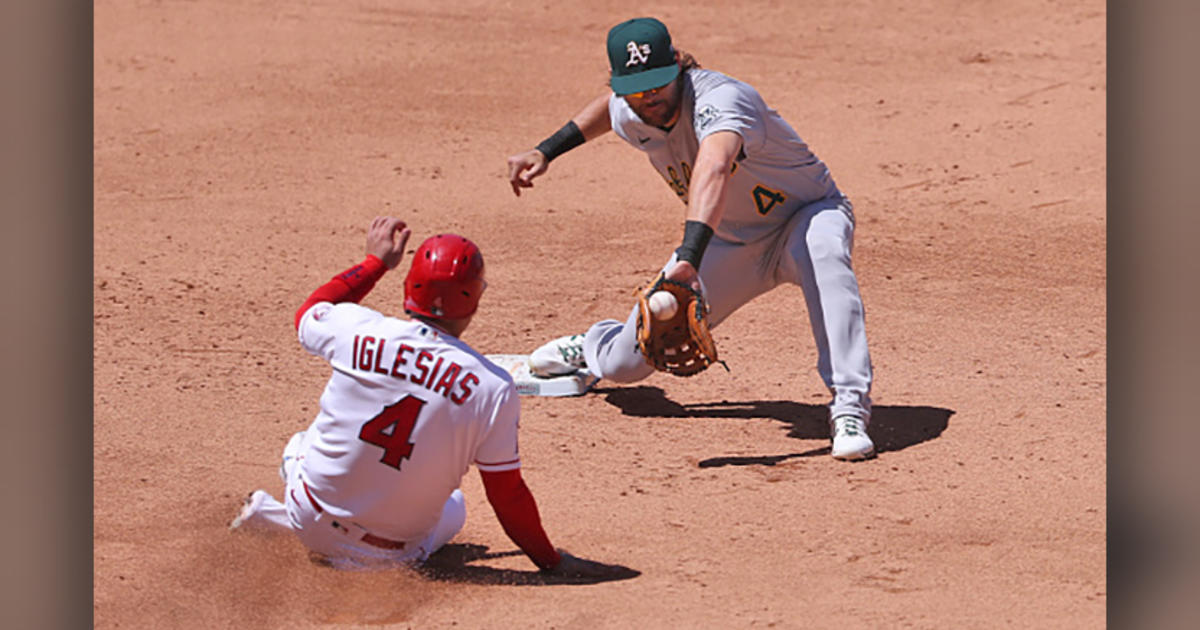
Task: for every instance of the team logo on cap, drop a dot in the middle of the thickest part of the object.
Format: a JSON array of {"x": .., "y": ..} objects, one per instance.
[{"x": 637, "y": 54}]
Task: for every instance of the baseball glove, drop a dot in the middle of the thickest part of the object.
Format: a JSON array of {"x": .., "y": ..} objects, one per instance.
[{"x": 681, "y": 345}]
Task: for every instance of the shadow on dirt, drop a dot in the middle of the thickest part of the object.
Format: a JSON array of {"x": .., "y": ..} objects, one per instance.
[
  {"x": 893, "y": 427},
  {"x": 452, "y": 563}
]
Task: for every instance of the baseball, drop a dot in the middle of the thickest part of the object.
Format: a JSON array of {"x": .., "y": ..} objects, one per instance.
[{"x": 663, "y": 305}]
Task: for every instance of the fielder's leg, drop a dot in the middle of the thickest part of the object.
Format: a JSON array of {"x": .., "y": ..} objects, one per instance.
[
  {"x": 611, "y": 351},
  {"x": 818, "y": 258}
]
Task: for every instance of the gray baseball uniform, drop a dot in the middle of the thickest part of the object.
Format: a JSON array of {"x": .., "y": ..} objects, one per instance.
[{"x": 785, "y": 221}]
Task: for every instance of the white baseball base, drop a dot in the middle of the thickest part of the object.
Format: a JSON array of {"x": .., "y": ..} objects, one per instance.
[{"x": 527, "y": 384}]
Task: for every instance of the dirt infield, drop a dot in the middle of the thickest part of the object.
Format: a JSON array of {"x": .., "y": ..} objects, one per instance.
[{"x": 242, "y": 147}]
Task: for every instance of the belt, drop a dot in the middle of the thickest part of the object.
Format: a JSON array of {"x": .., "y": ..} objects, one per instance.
[{"x": 369, "y": 538}]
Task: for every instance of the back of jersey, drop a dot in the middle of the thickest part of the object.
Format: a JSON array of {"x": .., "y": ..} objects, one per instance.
[{"x": 405, "y": 413}]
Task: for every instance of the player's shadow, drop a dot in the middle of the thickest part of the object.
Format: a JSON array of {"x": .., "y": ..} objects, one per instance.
[
  {"x": 452, "y": 563},
  {"x": 892, "y": 428}
]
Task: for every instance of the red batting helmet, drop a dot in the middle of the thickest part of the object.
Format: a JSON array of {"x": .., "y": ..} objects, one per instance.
[{"x": 446, "y": 278}]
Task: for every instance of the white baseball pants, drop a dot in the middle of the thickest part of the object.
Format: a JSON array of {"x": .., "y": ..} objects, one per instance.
[{"x": 341, "y": 544}]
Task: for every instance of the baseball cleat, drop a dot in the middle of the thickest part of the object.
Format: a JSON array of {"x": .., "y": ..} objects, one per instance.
[
  {"x": 561, "y": 356},
  {"x": 850, "y": 439},
  {"x": 250, "y": 507}
]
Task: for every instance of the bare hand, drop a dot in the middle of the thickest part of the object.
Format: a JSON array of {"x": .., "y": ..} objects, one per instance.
[
  {"x": 523, "y": 167},
  {"x": 573, "y": 567},
  {"x": 684, "y": 272},
  {"x": 382, "y": 241}
]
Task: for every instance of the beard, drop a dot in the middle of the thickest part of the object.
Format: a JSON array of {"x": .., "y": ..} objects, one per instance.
[
  {"x": 659, "y": 110},
  {"x": 660, "y": 114}
]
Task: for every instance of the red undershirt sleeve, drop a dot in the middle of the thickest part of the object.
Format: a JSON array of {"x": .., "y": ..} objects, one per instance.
[
  {"x": 517, "y": 512},
  {"x": 350, "y": 285}
]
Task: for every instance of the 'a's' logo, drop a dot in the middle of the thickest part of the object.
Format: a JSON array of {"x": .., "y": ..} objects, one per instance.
[
  {"x": 637, "y": 54},
  {"x": 706, "y": 115}
]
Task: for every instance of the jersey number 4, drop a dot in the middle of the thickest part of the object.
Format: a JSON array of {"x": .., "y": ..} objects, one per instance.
[
  {"x": 392, "y": 428},
  {"x": 766, "y": 199}
]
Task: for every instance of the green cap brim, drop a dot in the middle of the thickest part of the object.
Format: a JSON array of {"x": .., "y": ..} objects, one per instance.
[{"x": 644, "y": 80}]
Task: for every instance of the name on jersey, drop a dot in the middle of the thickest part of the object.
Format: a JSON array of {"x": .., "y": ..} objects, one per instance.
[
  {"x": 679, "y": 180},
  {"x": 765, "y": 199},
  {"x": 451, "y": 381}
]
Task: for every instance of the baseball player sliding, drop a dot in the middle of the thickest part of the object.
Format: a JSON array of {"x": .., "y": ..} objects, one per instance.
[
  {"x": 762, "y": 211},
  {"x": 373, "y": 481}
]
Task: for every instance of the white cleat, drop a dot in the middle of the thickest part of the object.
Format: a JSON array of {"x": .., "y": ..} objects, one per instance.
[
  {"x": 559, "y": 357},
  {"x": 250, "y": 507},
  {"x": 850, "y": 439}
]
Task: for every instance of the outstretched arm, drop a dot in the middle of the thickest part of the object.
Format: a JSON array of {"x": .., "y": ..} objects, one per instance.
[
  {"x": 518, "y": 514},
  {"x": 593, "y": 121},
  {"x": 386, "y": 239},
  {"x": 706, "y": 202}
]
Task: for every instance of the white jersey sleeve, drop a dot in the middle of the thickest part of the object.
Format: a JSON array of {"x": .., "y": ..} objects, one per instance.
[
  {"x": 499, "y": 450},
  {"x": 730, "y": 107},
  {"x": 322, "y": 321}
]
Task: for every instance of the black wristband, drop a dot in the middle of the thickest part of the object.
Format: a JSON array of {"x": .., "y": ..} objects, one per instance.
[
  {"x": 695, "y": 240},
  {"x": 562, "y": 141}
]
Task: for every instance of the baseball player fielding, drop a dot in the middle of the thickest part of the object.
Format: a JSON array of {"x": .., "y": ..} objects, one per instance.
[{"x": 761, "y": 210}]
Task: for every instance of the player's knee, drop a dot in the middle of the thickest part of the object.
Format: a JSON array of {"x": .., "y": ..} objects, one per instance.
[
  {"x": 826, "y": 246},
  {"x": 454, "y": 516},
  {"x": 455, "y": 511},
  {"x": 631, "y": 369}
]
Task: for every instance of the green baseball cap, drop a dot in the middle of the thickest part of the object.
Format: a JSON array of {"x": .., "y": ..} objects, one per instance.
[{"x": 641, "y": 56}]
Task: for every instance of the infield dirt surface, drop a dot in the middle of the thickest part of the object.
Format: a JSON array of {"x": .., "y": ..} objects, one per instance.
[{"x": 241, "y": 149}]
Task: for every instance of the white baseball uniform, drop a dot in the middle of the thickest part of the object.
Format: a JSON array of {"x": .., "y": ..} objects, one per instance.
[
  {"x": 374, "y": 479},
  {"x": 785, "y": 221}
]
